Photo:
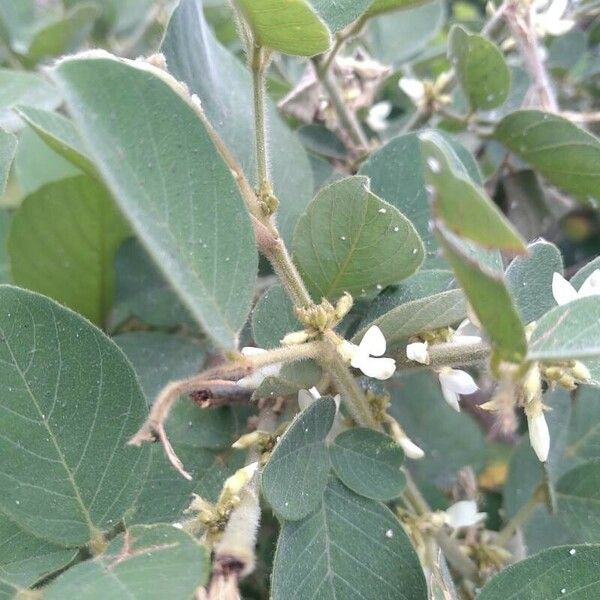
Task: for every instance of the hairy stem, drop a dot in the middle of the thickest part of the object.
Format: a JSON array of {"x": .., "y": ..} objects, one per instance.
[
  {"x": 258, "y": 86},
  {"x": 447, "y": 355}
]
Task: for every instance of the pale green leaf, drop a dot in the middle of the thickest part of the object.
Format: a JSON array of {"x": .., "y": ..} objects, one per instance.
[
  {"x": 578, "y": 497},
  {"x": 529, "y": 279},
  {"x": 294, "y": 479},
  {"x": 480, "y": 68},
  {"x": 350, "y": 548},
  {"x": 4, "y": 259},
  {"x": 273, "y": 317},
  {"x": 339, "y": 13},
  {"x": 578, "y": 279},
  {"x": 145, "y": 563},
  {"x": 490, "y": 299},
  {"x": 292, "y": 27},
  {"x": 570, "y": 331},
  {"x": 192, "y": 220},
  {"x": 8, "y": 148},
  {"x": 349, "y": 240},
  {"x": 563, "y": 153},
  {"x": 381, "y": 6},
  {"x": 24, "y": 559},
  {"x": 224, "y": 86},
  {"x": 70, "y": 402},
  {"x": 69, "y": 257},
  {"x": 544, "y": 576},
  {"x": 368, "y": 462},
  {"x": 291, "y": 378},
  {"x": 464, "y": 208}
]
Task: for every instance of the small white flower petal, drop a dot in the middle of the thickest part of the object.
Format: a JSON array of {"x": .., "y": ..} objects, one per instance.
[
  {"x": 373, "y": 342},
  {"x": 358, "y": 357},
  {"x": 305, "y": 399},
  {"x": 466, "y": 339},
  {"x": 451, "y": 398},
  {"x": 251, "y": 382},
  {"x": 457, "y": 381},
  {"x": 464, "y": 514},
  {"x": 271, "y": 370},
  {"x": 413, "y": 88},
  {"x": 347, "y": 350},
  {"x": 252, "y": 351},
  {"x": 417, "y": 351},
  {"x": 591, "y": 286},
  {"x": 411, "y": 449},
  {"x": 562, "y": 290},
  {"x": 376, "y": 119},
  {"x": 467, "y": 329},
  {"x": 314, "y": 392},
  {"x": 539, "y": 435},
  {"x": 378, "y": 368}
]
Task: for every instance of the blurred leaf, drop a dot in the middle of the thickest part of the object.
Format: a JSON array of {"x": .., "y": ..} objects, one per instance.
[
  {"x": 578, "y": 497},
  {"x": 351, "y": 547},
  {"x": 529, "y": 279},
  {"x": 465, "y": 209},
  {"x": 74, "y": 401},
  {"x": 563, "y": 153},
  {"x": 4, "y": 258},
  {"x": 70, "y": 256},
  {"x": 273, "y": 317},
  {"x": 584, "y": 427},
  {"x": 8, "y": 148},
  {"x": 570, "y": 331},
  {"x": 60, "y": 134},
  {"x": 24, "y": 559},
  {"x": 23, "y": 88},
  {"x": 583, "y": 273},
  {"x": 490, "y": 299},
  {"x": 381, "y": 6},
  {"x": 322, "y": 141},
  {"x": 143, "y": 292},
  {"x": 292, "y": 28},
  {"x": 224, "y": 87},
  {"x": 449, "y": 439},
  {"x": 545, "y": 575},
  {"x": 193, "y": 221},
  {"x": 145, "y": 563},
  {"x": 395, "y": 38},
  {"x": 368, "y": 462},
  {"x": 480, "y": 68},
  {"x": 349, "y": 240},
  {"x": 339, "y": 13},
  {"x": 294, "y": 479}
]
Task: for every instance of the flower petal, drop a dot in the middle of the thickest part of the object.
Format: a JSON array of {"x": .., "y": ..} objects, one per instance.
[
  {"x": 539, "y": 435},
  {"x": 252, "y": 351},
  {"x": 457, "y": 381},
  {"x": 450, "y": 397},
  {"x": 305, "y": 399},
  {"x": 413, "y": 88},
  {"x": 253, "y": 381},
  {"x": 411, "y": 449},
  {"x": 378, "y": 368},
  {"x": 463, "y": 514},
  {"x": 417, "y": 351},
  {"x": 373, "y": 342},
  {"x": 562, "y": 290},
  {"x": 591, "y": 286}
]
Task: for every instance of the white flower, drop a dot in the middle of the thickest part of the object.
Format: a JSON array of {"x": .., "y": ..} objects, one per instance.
[
  {"x": 413, "y": 88},
  {"x": 253, "y": 381},
  {"x": 548, "y": 15},
  {"x": 363, "y": 356},
  {"x": 455, "y": 382},
  {"x": 417, "y": 351},
  {"x": 564, "y": 292},
  {"x": 464, "y": 514},
  {"x": 467, "y": 333},
  {"x": 410, "y": 448},
  {"x": 376, "y": 119},
  {"x": 539, "y": 435}
]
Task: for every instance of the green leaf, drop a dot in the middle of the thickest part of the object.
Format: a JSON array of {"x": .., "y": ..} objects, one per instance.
[
  {"x": 578, "y": 279},
  {"x": 147, "y": 562},
  {"x": 273, "y": 317},
  {"x": 60, "y": 134},
  {"x": 291, "y": 378},
  {"x": 480, "y": 68},
  {"x": 381, "y": 6},
  {"x": 465, "y": 209},
  {"x": 584, "y": 427},
  {"x": 449, "y": 439},
  {"x": 564, "y": 154},
  {"x": 349, "y": 240},
  {"x": 397, "y": 175},
  {"x": 24, "y": 559},
  {"x": 490, "y": 299},
  {"x": 339, "y": 13},
  {"x": 295, "y": 477},
  {"x": 8, "y": 148},
  {"x": 142, "y": 292},
  {"x": 570, "y": 331},
  {"x": 69, "y": 257},
  {"x": 193, "y": 221},
  {"x": 23, "y": 88},
  {"x": 4, "y": 259},
  {"x": 578, "y": 497},
  {"x": 224, "y": 87},
  {"x": 545, "y": 575},
  {"x": 529, "y": 279},
  {"x": 368, "y": 462},
  {"x": 71, "y": 402},
  {"x": 411, "y": 318},
  {"x": 292, "y": 28},
  {"x": 351, "y": 547}
]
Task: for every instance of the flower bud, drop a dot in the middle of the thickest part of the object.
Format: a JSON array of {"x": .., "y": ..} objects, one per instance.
[{"x": 294, "y": 338}]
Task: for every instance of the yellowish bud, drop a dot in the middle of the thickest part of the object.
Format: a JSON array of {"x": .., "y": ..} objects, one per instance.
[
  {"x": 343, "y": 306},
  {"x": 580, "y": 372},
  {"x": 294, "y": 338}
]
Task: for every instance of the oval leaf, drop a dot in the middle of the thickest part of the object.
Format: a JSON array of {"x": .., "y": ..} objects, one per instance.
[
  {"x": 177, "y": 192},
  {"x": 8, "y": 148},
  {"x": 349, "y": 240},
  {"x": 351, "y": 547},
  {"x": 339, "y": 13},
  {"x": 295, "y": 477},
  {"x": 70, "y": 404},
  {"x": 368, "y": 462}
]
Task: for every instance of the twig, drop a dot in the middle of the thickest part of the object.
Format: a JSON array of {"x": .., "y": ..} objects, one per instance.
[{"x": 447, "y": 355}]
